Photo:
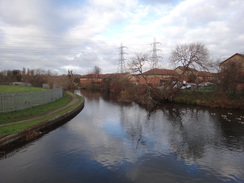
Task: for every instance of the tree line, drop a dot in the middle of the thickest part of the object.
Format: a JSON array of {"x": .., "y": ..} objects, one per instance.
[
  {"x": 38, "y": 77},
  {"x": 193, "y": 56}
]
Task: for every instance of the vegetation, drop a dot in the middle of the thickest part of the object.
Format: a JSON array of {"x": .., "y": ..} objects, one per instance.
[
  {"x": 38, "y": 77},
  {"x": 211, "y": 98},
  {"x": 191, "y": 58},
  {"x": 19, "y": 127},
  {"x": 15, "y": 89}
]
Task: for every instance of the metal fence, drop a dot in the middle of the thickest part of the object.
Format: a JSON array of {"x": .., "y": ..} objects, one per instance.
[{"x": 17, "y": 101}]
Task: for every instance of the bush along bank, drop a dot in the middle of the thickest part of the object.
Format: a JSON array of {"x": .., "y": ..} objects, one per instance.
[
  {"x": 215, "y": 100},
  {"x": 150, "y": 99},
  {"x": 153, "y": 97}
]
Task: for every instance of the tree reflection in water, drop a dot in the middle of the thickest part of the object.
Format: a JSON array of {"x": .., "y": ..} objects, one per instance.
[
  {"x": 118, "y": 142},
  {"x": 196, "y": 135}
]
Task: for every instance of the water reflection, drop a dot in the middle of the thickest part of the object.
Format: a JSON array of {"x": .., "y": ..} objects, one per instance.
[
  {"x": 196, "y": 136},
  {"x": 117, "y": 142}
]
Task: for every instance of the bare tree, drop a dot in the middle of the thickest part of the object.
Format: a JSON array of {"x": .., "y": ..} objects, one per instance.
[
  {"x": 215, "y": 63},
  {"x": 191, "y": 55},
  {"x": 138, "y": 62},
  {"x": 94, "y": 77},
  {"x": 145, "y": 95},
  {"x": 96, "y": 70}
]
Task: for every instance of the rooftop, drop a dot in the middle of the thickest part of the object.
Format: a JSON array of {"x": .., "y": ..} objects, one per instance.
[{"x": 160, "y": 72}]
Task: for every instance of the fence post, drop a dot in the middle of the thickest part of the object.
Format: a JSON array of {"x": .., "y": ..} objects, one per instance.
[
  {"x": 15, "y": 105},
  {"x": 2, "y": 102}
]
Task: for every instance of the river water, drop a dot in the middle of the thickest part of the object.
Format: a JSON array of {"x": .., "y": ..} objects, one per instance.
[{"x": 115, "y": 142}]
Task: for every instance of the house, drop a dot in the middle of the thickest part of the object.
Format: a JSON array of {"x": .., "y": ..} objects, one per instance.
[
  {"x": 117, "y": 81},
  {"x": 192, "y": 75},
  {"x": 235, "y": 60},
  {"x": 91, "y": 78},
  {"x": 156, "y": 77},
  {"x": 233, "y": 69},
  {"x": 186, "y": 73},
  {"x": 240, "y": 85},
  {"x": 107, "y": 81},
  {"x": 204, "y": 76},
  {"x": 186, "y": 70}
]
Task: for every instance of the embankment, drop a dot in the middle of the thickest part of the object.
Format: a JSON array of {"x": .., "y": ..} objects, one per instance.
[{"x": 11, "y": 141}]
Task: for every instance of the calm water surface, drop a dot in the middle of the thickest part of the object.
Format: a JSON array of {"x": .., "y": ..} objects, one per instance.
[{"x": 113, "y": 142}]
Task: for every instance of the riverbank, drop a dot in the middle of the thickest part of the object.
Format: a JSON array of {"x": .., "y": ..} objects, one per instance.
[
  {"x": 27, "y": 130},
  {"x": 217, "y": 100},
  {"x": 211, "y": 100},
  {"x": 205, "y": 98}
]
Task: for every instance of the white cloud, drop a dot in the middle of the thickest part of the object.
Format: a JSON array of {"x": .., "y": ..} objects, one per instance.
[{"x": 43, "y": 33}]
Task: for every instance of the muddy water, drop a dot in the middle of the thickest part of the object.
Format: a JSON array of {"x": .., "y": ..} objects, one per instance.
[{"x": 114, "y": 142}]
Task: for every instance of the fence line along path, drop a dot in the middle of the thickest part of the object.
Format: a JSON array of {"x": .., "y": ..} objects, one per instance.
[
  {"x": 17, "y": 101},
  {"x": 73, "y": 101}
]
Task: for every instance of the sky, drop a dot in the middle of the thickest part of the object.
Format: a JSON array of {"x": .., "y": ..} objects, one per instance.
[{"x": 77, "y": 35}]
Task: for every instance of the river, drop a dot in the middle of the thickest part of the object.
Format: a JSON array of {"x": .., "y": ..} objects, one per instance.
[{"x": 115, "y": 142}]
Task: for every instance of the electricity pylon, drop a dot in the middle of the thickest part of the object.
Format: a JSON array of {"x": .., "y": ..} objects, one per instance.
[
  {"x": 121, "y": 66},
  {"x": 154, "y": 57}
]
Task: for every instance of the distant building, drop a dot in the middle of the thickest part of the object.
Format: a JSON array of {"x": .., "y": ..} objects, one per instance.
[
  {"x": 236, "y": 59},
  {"x": 185, "y": 70},
  {"x": 233, "y": 67},
  {"x": 21, "y": 84},
  {"x": 156, "y": 77},
  {"x": 204, "y": 76},
  {"x": 105, "y": 79},
  {"x": 91, "y": 78},
  {"x": 192, "y": 75},
  {"x": 187, "y": 74},
  {"x": 45, "y": 85}
]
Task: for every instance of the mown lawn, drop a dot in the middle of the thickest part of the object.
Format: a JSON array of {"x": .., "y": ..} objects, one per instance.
[
  {"x": 24, "y": 114},
  {"x": 16, "y": 89}
]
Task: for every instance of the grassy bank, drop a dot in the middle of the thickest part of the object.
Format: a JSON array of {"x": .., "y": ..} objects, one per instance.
[
  {"x": 14, "y": 128},
  {"x": 25, "y": 114},
  {"x": 17, "y": 89},
  {"x": 211, "y": 99}
]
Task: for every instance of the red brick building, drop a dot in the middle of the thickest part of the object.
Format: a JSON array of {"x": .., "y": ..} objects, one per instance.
[
  {"x": 234, "y": 65},
  {"x": 156, "y": 77}
]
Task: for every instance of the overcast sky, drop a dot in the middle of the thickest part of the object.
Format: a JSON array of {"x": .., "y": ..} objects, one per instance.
[{"x": 58, "y": 35}]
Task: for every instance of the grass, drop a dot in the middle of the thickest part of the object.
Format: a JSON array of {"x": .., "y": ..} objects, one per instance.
[
  {"x": 24, "y": 114},
  {"x": 15, "y": 128},
  {"x": 208, "y": 89},
  {"x": 17, "y": 89},
  {"x": 212, "y": 98},
  {"x": 206, "y": 92}
]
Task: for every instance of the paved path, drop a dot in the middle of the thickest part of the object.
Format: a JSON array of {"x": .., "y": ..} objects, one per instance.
[{"x": 73, "y": 101}]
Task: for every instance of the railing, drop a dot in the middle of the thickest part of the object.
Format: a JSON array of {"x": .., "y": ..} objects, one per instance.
[{"x": 17, "y": 101}]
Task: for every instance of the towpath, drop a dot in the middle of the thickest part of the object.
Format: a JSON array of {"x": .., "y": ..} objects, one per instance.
[{"x": 73, "y": 101}]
